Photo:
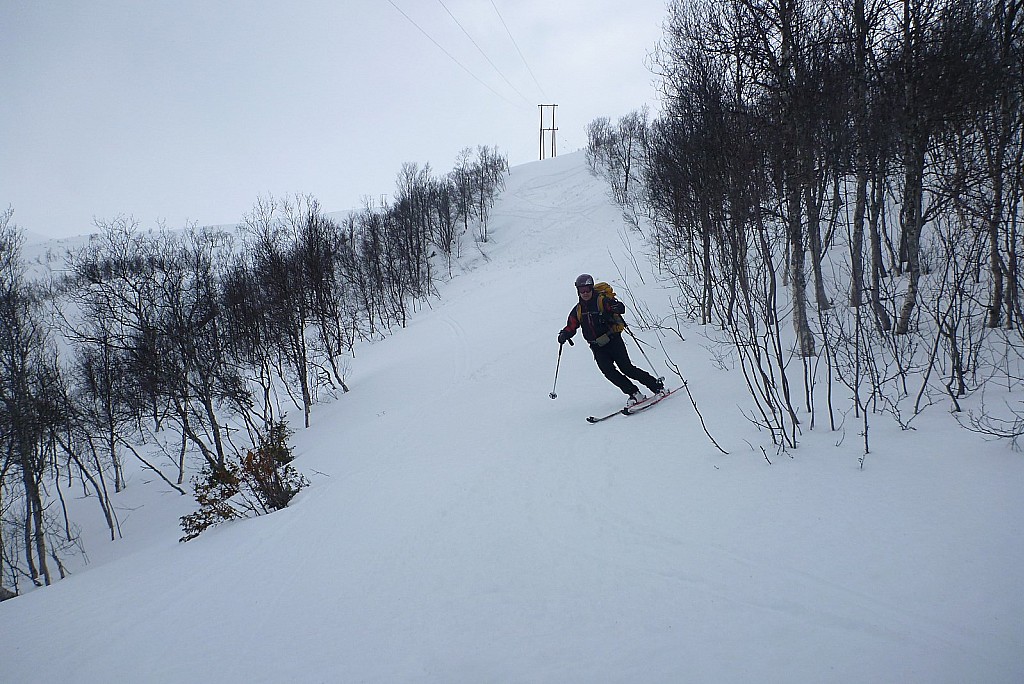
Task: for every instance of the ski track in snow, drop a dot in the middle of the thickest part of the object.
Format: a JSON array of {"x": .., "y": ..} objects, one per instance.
[{"x": 466, "y": 528}]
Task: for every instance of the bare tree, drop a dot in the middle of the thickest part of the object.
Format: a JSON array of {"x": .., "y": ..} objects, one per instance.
[
  {"x": 27, "y": 410},
  {"x": 775, "y": 113}
]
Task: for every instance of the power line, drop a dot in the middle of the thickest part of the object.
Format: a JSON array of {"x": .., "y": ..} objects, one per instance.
[
  {"x": 521, "y": 56},
  {"x": 439, "y": 47},
  {"x": 459, "y": 24}
]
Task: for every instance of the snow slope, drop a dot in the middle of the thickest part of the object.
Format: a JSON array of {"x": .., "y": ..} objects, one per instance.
[{"x": 463, "y": 527}]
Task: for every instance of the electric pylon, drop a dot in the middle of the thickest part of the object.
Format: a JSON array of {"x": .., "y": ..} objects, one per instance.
[{"x": 552, "y": 129}]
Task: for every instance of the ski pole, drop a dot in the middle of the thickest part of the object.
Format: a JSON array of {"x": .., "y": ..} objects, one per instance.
[
  {"x": 557, "y": 364},
  {"x": 640, "y": 347}
]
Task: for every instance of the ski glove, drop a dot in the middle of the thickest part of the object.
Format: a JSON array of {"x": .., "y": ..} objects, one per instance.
[{"x": 564, "y": 336}]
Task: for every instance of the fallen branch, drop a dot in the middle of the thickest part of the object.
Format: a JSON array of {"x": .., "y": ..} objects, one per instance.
[{"x": 686, "y": 386}]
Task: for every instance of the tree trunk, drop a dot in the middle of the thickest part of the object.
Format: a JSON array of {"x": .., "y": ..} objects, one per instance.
[
  {"x": 814, "y": 239},
  {"x": 35, "y": 528},
  {"x": 857, "y": 240},
  {"x": 913, "y": 191},
  {"x": 798, "y": 276},
  {"x": 877, "y": 264}
]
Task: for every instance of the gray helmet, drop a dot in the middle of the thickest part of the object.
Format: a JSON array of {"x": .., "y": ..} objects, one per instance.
[{"x": 583, "y": 280}]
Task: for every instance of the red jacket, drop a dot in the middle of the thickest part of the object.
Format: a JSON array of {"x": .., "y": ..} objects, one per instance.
[{"x": 594, "y": 323}]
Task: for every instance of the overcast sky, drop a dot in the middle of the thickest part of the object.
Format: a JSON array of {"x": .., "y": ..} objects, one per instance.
[{"x": 191, "y": 110}]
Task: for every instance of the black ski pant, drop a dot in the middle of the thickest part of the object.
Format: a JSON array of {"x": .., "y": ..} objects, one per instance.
[{"x": 614, "y": 354}]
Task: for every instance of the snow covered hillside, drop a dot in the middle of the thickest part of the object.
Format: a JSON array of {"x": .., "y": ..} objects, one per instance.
[{"x": 463, "y": 527}]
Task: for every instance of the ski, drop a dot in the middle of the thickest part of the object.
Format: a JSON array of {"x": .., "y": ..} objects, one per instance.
[
  {"x": 598, "y": 419},
  {"x": 644, "y": 405},
  {"x": 637, "y": 408}
]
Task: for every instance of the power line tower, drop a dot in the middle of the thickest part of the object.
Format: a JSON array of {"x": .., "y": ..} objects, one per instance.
[{"x": 552, "y": 129}]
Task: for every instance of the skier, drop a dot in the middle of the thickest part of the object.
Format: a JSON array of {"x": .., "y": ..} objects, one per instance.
[{"x": 605, "y": 338}]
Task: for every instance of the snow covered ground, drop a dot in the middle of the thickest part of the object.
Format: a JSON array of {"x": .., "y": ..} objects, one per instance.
[{"x": 463, "y": 527}]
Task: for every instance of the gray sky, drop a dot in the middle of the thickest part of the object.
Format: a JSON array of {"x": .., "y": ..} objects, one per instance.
[{"x": 191, "y": 110}]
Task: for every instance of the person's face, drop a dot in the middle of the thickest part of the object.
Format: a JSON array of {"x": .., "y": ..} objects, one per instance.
[{"x": 586, "y": 292}]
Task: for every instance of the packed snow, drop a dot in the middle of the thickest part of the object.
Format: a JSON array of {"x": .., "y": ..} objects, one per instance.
[{"x": 462, "y": 526}]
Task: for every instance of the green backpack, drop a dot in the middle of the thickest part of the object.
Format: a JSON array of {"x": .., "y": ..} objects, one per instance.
[{"x": 616, "y": 324}]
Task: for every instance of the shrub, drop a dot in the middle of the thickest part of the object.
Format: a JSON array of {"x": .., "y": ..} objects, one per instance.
[{"x": 260, "y": 482}]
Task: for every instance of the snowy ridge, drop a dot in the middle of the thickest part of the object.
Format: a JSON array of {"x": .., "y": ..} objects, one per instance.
[{"x": 463, "y": 527}]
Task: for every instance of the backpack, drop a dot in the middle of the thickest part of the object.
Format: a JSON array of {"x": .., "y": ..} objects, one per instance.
[{"x": 616, "y": 324}]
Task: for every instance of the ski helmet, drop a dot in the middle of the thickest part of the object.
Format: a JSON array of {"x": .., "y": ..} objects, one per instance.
[{"x": 584, "y": 280}]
